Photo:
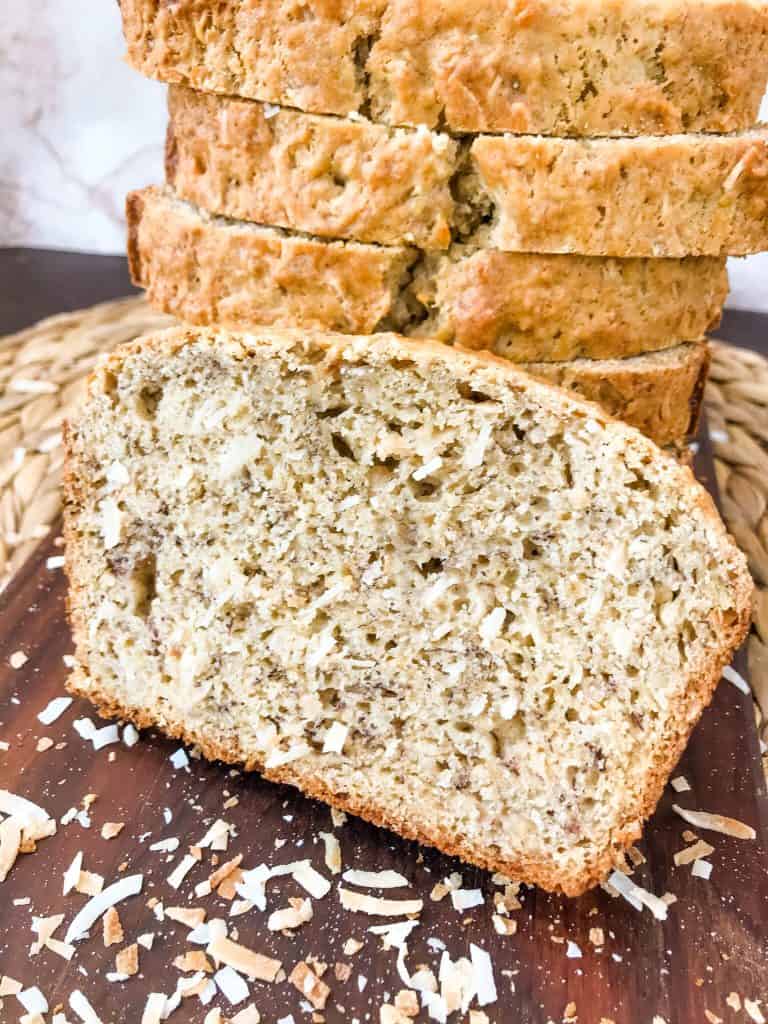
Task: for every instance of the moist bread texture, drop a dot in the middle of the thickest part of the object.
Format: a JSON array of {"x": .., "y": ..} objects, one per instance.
[
  {"x": 210, "y": 270},
  {"x": 511, "y": 609},
  {"x": 339, "y": 178},
  {"x": 582, "y": 67}
]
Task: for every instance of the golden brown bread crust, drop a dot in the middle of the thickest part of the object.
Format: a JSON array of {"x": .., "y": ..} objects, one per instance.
[
  {"x": 698, "y": 692},
  {"x": 525, "y": 307},
  {"x": 573, "y": 67},
  {"x": 328, "y": 176},
  {"x": 659, "y": 394},
  {"x": 339, "y": 178}
]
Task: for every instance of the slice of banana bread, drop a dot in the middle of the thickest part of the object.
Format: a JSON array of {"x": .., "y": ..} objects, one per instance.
[
  {"x": 572, "y": 67},
  {"x": 209, "y": 270},
  {"x": 674, "y": 195},
  {"x": 409, "y": 580}
]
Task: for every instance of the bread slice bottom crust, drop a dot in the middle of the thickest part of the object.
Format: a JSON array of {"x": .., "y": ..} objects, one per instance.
[{"x": 481, "y": 372}]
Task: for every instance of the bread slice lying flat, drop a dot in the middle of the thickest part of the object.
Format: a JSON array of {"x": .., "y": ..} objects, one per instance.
[{"x": 408, "y": 579}]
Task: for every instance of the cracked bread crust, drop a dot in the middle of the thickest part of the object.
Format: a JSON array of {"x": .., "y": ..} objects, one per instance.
[
  {"x": 225, "y": 734},
  {"x": 582, "y": 67},
  {"x": 523, "y": 306},
  {"x": 340, "y": 178},
  {"x": 672, "y": 196}
]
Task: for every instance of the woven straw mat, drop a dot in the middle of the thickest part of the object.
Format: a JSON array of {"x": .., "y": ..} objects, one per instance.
[{"x": 42, "y": 376}]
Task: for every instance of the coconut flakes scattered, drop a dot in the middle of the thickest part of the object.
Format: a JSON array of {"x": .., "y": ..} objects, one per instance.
[
  {"x": 18, "y": 659},
  {"x": 255, "y": 966},
  {"x": 130, "y": 735},
  {"x": 89, "y": 883},
  {"x": 482, "y": 966},
  {"x": 393, "y": 935},
  {"x": 54, "y": 709},
  {"x": 9, "y": 986},
  {"x": 294, "y": 916},
  {"x": 573, "y": 951},
  {"x": 362, "y": 903},
  {"x": 738, "y": 680},
  {"x": 248, "y": 1015},
  {"x": 465, "y": 899},
  {"x": 22, "y": 809},
  {"x": 10, "y": 844},
  {"x": 638, "y": 896},
  {"x": 335, "y": 738},
  {"x": 80, "y": 1005},
  {"x": 72, "y": 874},
  {"x": 103, "y": 737},
  {"x": 303, "y": 978},
  {"x": 44, "y": 927},
  {"x": 33, "y": 1000},
  {"x": 217, "y": 836},
  {"x": 127, "y": 960},
  {"x": 181, "y": 871},
  {"x": 98, "y": 905},
  {"x": 231, "y": 985},
  {"x": 701, "y": 869},
  {"x": 752, "y": 1006},
  {"x": 375, "y": 879},
  {"x": 691, "y": 853},
  {"x": 111, "y": 829},
  {"x": 311, "y": 880},
  {"x": 169, "y": 845},
  {"x": 504, "y": 925},
  {"x": 716, "y": 823},
  {"x": 179, "y": 759},
  {"x": 332, "y": 852},
  {"x": 680, "y": 784},
  {"x": 154, "y": 1008}
]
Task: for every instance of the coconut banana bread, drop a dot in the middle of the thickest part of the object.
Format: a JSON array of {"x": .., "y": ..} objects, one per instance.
[
  {"x": 409, "y": 580},
  {"x": 667, "y": 196},
  {"x": 335, "y": 177},
  {"x": 208, "y": 270},
  {"x": 573, "y": 67}
]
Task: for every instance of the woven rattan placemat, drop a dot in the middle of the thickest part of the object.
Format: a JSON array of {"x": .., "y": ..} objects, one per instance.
[{"x": 43, "y": 369}]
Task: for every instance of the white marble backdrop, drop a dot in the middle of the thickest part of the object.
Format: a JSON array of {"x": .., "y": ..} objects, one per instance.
[{"x": 79, "y": 129}]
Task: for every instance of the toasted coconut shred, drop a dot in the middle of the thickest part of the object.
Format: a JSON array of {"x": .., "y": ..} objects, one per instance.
[
  {"x": 218, "y": 965},
  {"x": 716, "y": 823}
]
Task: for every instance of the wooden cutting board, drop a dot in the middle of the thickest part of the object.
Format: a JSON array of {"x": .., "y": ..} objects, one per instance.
[{"x": 713, "y": 943}]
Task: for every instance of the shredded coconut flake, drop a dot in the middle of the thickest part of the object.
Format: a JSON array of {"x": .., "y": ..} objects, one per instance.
[
  {"x": 80, "y": 1005},
  {"x": 701, "y": 869},
  {"x": 365, "y": 904},
  {"x": 465, "y": 899},
  {"x": 375, "y": 879},
  {"x": 738, "y": 681},
  {"x": 335, "y": 738},
  {"x": 716, "y": 823},
  {"x": 98, "y": 905}
]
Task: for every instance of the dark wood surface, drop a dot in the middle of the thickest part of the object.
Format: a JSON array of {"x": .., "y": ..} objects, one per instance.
[{"x": 714, "y": 942}]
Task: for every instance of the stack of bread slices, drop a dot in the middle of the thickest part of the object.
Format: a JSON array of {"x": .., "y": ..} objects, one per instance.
[
  {"x": 556, "y": 183},
  {"x": 311, "y": 532}
]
